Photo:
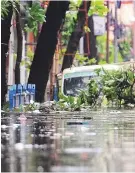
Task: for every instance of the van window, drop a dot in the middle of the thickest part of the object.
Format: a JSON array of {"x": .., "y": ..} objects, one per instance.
[{"x": 72, "y": 86}]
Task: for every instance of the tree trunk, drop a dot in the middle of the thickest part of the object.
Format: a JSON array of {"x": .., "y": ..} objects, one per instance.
[
  {"x": 47, "y": 41},
  {"x": 5, "y": 36},
  {"x": 92, "y": 41},
  {"x": 76, "y": 35},
  {"x": 19, "y": 45}
]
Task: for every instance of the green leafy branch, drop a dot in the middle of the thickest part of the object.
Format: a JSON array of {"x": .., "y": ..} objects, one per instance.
[
  {"x": 27, "y": 62},
  {"x": 5, "y": 4},
  {"x": 84, "y": 60},
  {"x": 36, "y": 15},
  {"x": 98, "y": 7},
  {"x": 68, "y": 103}
]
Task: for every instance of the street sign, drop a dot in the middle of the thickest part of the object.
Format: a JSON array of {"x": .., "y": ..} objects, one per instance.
[{"x": 99, "y": 25}]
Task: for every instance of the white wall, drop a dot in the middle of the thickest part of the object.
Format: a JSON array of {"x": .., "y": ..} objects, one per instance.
[{"x": 11, "y": 57}]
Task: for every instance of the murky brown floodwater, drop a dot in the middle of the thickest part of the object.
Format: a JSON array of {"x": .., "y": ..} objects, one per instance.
[{"x": 69, "y": 143}]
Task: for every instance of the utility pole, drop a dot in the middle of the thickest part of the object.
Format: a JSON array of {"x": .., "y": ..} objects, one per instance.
[
  {"x": 107, "y": 38},
  {"x": 115, "y": 35}
]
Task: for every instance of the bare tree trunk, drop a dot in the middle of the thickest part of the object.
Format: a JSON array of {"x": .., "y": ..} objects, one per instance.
[
  {"x": 5, "y": 36},
  {"x": 19, "y": 44},
  {"x": 76, "y": 35},
  {"x": 47, "y": 41}
]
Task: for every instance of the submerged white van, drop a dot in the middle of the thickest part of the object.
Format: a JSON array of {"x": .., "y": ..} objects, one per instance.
[{"x": 76, "y": 78}]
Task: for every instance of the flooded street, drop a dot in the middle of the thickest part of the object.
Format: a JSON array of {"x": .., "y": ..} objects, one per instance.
[{"x": 98, "y": 142}]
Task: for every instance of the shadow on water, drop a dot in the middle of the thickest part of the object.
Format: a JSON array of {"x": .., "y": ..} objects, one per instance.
[{"x": 68, "y": 143}]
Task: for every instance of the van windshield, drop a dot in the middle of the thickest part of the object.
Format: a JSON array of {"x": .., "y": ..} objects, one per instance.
[
  {"x": 76, "y": 81},
  {"x": 73, "y": 85}
]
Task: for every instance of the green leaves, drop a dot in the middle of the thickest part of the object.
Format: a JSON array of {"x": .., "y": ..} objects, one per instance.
[
  {"x": 98, "y": 7},
  {"x": 125, "y": 48},
  {"x": 81, "y": 59},
  {"x": 118, "y": 86},
  {"x": 101, "y": 48},
  {"x": 86, "y": 29},
  {"x": 36, "y": 14},
  {"x": 84, "y": 60},
  {"x": 5, "y": 5},
  {"x": 4, "y": 8},
  {"x": 69, "y": 103},
  {"x": 75, "y": 4},
  {"x": 68, "y": 26},
  {"x": 91, "y": 94},
  {"x": 27, "y": 62}
]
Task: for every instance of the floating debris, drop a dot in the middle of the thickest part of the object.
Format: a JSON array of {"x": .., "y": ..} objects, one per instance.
[
  {"x": 77, "y": 123},
  {"x": 87, "y": 118}
]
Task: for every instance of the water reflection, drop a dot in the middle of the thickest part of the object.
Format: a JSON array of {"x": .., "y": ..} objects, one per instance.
[{"x": 52, "y": 144}]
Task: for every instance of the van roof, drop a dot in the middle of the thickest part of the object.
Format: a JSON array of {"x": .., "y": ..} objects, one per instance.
[{"x": 91, "y": 67}]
